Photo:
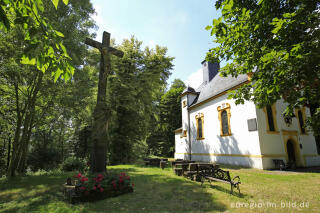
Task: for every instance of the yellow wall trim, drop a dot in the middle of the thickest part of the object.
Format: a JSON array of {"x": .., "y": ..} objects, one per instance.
[
  {"x": 184, "y": 103},
  {"x": 218, "y": 95},
  {"x": 289, "y": 132},
  {"x": 178, "y": 130},
  {"x": 236, "y": 155},
  {"x": 293, "y": 136}
]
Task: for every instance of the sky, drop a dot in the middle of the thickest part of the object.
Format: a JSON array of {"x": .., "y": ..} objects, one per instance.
[{"x": 178, "y": 25}]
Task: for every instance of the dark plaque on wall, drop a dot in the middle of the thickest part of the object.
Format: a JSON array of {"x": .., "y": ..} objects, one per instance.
[{"x": 252, "y": 124}]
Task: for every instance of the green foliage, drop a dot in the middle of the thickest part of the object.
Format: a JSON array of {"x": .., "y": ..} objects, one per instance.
[
  {"x": 73, "y": 164},
  {"x": 39, "y": 34},
  {"x": 49, "y": 112},
  {"x": 134, "y": 85},
  {"x": 43, "y": 158},
  {"x": 276, "y": 40},
  {"x": 167, "y": 119}
]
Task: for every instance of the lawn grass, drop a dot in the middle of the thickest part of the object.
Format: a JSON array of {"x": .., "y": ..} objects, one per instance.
[{"x": 159, "y": 190}]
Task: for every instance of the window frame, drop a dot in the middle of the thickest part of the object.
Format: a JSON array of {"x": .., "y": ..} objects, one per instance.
[
  {"x": 200, "y": 116},
  {"x": 224, "y": 107},
  {"x": 274, "y": 116},
  {"x": 184, "y": 103},
  {"x": 303, "y": 113}
]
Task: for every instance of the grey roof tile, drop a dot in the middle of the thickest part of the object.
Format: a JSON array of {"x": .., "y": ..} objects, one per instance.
[{"x": 216, "y": 86}]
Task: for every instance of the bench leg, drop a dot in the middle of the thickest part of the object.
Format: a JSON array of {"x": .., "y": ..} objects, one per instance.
[
  {"x": 231, "y": 192},
  {"x": 202, "y": 180}
]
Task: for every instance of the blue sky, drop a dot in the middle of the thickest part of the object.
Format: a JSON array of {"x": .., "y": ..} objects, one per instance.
[{"x": 178, "y": 25}]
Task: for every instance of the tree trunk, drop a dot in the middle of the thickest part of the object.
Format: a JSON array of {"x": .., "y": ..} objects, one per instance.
[
  {"x": 21, "y": 144},
  {"x": 9, "y": 150},
  {"x": 13, "y": 163}
]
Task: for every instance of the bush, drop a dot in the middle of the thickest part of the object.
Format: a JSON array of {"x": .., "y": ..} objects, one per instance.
[
  {"x": 73, "y": 163},
  {"x": 41, "y": 158}
]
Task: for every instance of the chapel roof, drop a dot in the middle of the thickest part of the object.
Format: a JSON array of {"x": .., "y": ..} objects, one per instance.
[
  {"x": 188, "y": 90},
  {"x": 216, "y": 86}
]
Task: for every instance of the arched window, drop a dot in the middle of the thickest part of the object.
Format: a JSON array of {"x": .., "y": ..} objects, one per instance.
[
  {"x": 199, "y": 122},
  {"x": 199, "y": 128},
  {"x": 225, "y": 125},
  {"x": 224, "y": 115},
  {"x": 301, "y": 116},
  {"x": 270, "y": 118},
  {"x": 301, "y": 122}
]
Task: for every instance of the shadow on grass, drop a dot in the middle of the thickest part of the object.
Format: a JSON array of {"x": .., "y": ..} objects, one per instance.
[
  {"x": 30, "y": 193},
  {"x": 155, "y": 190},
  {"x": 228, "y": 190},
  {"x": 161, "y": 191}
]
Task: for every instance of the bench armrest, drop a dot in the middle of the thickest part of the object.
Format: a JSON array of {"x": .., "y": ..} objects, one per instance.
[{"x": 236, "y": 181}]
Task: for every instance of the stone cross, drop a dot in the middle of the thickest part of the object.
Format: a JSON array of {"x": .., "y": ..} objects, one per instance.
[
  {"x": 105, "y": 65},
  {"x": 99, "y": 132}
]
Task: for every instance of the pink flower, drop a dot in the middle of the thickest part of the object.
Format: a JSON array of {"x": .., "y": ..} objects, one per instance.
[
  {"x": 79, "y": 175},
  {"x": 101, "y": 189},
  {"x": 94, "y": 188},
  {"x": 99, "y": 185},
  {"x": 83, "y": 179},
  {"x": 133, "y": 185}
]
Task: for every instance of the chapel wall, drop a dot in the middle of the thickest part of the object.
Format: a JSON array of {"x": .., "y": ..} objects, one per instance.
[
  {"x": 240, "y": 148},
  {"x": 273, "y": 144}
]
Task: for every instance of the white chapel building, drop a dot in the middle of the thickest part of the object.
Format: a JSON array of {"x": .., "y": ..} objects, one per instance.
[{"x": 215, "y": 129}]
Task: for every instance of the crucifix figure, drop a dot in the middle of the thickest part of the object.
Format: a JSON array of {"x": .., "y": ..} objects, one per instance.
[{"x": 101, "y": 111}]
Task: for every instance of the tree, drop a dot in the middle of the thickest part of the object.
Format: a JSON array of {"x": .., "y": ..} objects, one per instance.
[
  {"x": 133, "y": 87},
  {"x": 277, "y": 42},
  {"x": 39, "y": 34},
  {"x": 161, "y": 141},
  {"x": 33, "y": 94}
]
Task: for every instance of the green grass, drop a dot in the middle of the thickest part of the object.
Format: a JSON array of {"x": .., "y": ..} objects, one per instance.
[{"x": 159, "y": 190}]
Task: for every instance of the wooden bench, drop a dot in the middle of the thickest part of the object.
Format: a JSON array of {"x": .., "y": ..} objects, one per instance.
[
  {"x": 154, "y": 161},
  {"x": 163, "y": 163},
  {"x": 191, "y": 171},
  {"x": 178, "y": 161},
  {"x": 221, "y": 176},
  {"x": 195, "y": 168},
  {"x": 178, "y": 171}
]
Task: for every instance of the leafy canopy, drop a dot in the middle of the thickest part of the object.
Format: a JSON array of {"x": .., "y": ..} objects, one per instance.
[
  {"x": 40, "y": 35},
  {"x": 277, "y": 41}
]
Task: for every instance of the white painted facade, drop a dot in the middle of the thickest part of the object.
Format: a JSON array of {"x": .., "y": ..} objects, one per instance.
[{"x": 243, "y": 147}]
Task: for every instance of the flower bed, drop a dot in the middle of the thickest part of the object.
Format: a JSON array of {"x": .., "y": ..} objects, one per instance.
[{"x": 96, "y": 187}]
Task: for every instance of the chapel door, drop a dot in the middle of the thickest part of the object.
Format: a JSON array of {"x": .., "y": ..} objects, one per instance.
[{"x": 291, "y": 154}]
